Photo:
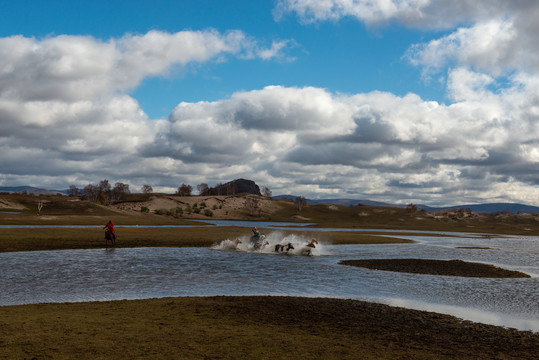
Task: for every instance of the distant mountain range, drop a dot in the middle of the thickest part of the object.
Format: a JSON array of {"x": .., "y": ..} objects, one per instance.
[{"x": 478, "y": 208}]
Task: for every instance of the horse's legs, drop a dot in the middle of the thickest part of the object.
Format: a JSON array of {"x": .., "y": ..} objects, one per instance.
[{"x": 109, "y": 236}]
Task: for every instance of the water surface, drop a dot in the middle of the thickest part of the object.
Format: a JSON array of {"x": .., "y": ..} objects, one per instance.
[{"x": 109, "y": 274}]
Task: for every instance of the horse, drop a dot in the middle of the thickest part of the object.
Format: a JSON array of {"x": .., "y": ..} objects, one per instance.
[
  {"x": 308, "y": 248},
  {"x": 282, "y": 248},
  {"x": 258, "y": 242},
  {"x": 312, "y": 243},
  {"x": 109, "y": 236}
]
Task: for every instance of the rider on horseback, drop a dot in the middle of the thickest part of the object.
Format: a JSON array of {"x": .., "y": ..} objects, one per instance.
[
  {"x": 110, "y": 227},
  {"x": 256, "y": 233},
  {"x": 255, "y": 239}
]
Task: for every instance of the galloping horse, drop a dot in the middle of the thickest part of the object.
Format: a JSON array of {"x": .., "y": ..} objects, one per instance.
[{"x": 109, "y": 236}]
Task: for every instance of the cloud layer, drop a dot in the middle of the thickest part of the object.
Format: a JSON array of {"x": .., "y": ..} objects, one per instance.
[{"x": 66, "y": 118}]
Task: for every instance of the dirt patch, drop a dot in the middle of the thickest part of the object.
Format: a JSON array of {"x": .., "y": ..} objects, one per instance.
[
  {"x": 6, "y": 204},
  {"x": 301, "y": 218},
  {"x": 436, "y": 267}
]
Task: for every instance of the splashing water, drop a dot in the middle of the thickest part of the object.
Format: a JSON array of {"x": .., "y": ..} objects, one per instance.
[{"x": 275, "y": 243}]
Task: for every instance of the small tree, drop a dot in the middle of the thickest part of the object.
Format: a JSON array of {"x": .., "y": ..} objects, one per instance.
[
  {"x": 266, "y": 192},
  {"x": 146, "y": 189},
  {"x": 102, "y": 198},
  {"x": 119, "y": 191},
  {"x": 104, "y": 187},
  {"x": 300, "y": 202},
  {"x": 202, "y": 189},
  {"x": 184, "y": 190},
  {"x": 39, "y": 207},
  {"x": 92, "y": 192},
  {"x": 411, "y": 208},
  {"x": 73, "y": 190}
]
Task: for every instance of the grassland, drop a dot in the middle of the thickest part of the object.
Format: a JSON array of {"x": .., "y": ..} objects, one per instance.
[{"x": 249, "y": 328}]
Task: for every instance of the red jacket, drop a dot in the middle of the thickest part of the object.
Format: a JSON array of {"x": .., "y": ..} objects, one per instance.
[{"x": 110, "y": 225}]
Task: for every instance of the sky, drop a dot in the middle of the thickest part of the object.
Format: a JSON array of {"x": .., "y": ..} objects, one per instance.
[{"x": 430, "y": 102}]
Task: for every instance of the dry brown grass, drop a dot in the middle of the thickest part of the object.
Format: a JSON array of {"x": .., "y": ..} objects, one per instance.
[{"x": 249, "y": 328}]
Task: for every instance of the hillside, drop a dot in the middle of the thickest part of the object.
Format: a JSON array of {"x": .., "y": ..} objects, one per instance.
[
  {"x": 242, "y": 186},
  {"x": 171, "y": 209}
]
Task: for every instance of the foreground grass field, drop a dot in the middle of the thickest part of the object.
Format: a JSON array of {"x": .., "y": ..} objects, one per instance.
[{"x": 249, "y": 328}]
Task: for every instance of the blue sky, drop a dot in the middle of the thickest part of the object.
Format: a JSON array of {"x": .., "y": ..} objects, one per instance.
[
  {"x": 401, "y": 101},
  {"x": 341, "y": 56}
]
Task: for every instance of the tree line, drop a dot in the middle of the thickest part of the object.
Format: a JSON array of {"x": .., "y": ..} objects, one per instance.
[{"x": 105, "y": 193}]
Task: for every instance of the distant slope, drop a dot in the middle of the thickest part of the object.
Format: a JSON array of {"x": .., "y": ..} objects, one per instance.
[
  {"x": 343, "y": 202},
  {"x": 478, "y": 208},
  {"x": 30, "y": 190},
  {"x": 487, "y": 208},
  {"x": 253, "y": 188}
]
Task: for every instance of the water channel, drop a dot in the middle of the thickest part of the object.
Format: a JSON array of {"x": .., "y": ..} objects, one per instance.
[{"x": 111, "y": 274}]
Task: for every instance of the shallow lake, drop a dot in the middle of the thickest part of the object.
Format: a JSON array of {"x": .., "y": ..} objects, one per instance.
[{"x": 109, "y": 274}]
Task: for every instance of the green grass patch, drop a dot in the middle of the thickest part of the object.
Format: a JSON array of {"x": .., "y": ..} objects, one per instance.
[
  {"x": 29, "y": 239},
  {"x": 90, "y": 238}
]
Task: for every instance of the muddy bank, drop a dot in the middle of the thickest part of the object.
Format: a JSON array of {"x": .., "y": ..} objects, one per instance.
[{"x": 436, "y": 267}]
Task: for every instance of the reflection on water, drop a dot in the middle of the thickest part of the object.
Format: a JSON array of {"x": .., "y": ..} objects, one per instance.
[{"x": 88, "y": 275}]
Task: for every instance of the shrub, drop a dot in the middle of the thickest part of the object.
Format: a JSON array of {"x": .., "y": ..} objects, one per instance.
[
  {"x": 202, "y": 205},
  {"x": 144, "y": 209},
  {"x": 208, "y": 212},
  {"x": 179, "y": 210},
  {"x": 214, "y": 207},
  {"x": 161, "y": 211},
  {"x": 196, "y": 210}
]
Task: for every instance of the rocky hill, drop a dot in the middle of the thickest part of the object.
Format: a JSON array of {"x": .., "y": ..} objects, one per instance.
[{"x": 238, "y": 186}]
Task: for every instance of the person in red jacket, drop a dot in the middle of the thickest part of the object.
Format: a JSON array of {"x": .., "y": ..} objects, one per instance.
[{"x": 110, "y": 227}]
